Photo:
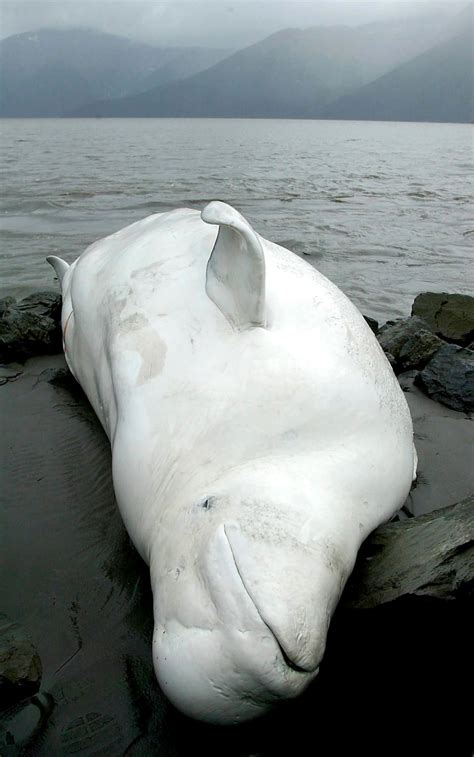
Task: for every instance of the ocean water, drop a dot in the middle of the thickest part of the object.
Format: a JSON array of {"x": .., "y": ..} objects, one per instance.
[{"x": 383, "y": 209}]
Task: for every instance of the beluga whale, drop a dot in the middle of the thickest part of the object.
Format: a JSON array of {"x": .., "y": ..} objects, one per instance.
[{"x": 258, "y": 436}]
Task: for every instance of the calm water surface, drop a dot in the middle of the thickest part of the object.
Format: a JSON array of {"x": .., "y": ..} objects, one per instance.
[{"x": 383, "y": 209}]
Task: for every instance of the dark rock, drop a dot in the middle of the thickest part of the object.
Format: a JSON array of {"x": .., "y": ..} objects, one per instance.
[
  {"x": 449, "y": 378},
  {"x": 418, "y": 350},
  {"x": 431, "y": 556},
  {"x": 374, "y": 325},
  {"x": 5, "y": 304},
  {"x": 20, "y": 665},
  {"x": 409, "y": 342},
  {"x": 30, "y": 327},
  {"x": 451, "y": 316},
  {"x": 43, "y": 304}
]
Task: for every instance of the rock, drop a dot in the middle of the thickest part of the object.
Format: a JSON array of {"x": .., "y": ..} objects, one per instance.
[
  {"x": 431, "y": 556},
  {"x": 30, "y": 327},
  {"x": 20, "y": 665},
  {"x": 418, "y": 350},
  {"x": 43, "y": 303},
  {"x": 449, "y": 378},
  {"x": 374, "y": 325},
  {"x": 451, "y": 316},
  {"x": 408, "y": 343},
  {"x": 5, "y": 304}
]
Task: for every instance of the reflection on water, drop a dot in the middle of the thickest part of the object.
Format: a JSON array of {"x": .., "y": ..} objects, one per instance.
[{"x": 383, "y": 209}]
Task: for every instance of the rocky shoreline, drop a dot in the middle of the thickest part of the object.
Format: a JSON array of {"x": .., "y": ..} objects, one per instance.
[
  {"x": 407, "y": 574},
  {"x": 437, "y": 340}
]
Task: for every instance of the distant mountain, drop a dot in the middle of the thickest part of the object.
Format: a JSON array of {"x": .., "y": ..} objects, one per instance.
[
  {"x": 293, "y": 73},
  {"x": 51, "y": 72},
  {"x": 417, "y": 69},
  {"x": 435, "y": 86},
  {"x": 183, "y": 64}
]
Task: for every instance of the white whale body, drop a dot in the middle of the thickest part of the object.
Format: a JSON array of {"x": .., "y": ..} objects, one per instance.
[{"x": 258, "y": 436}]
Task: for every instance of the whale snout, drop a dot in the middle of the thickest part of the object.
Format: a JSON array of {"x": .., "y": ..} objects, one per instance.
[
  {"x": 257, "y": 633},
  {"x": 294, "y": 591}
]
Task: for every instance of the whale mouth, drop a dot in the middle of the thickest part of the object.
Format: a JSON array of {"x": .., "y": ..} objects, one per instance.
[
  {"x": 284, "y": 653},
  {"x": 288, "y": 662}
]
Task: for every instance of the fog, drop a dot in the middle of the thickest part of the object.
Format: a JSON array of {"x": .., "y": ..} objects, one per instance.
[{"x": 221, "y": 24}]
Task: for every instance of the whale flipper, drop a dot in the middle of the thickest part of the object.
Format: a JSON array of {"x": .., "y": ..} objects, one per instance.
[
  {"x": 235, "y": 276},
  {"x": 60, "y": 266}
]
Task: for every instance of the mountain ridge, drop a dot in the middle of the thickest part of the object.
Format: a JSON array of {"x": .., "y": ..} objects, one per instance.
[
  {"x": 374, "y": 71},
  {"x": 293, "y": 73},
  {"x": 90, "y": 64},
  {"x": 436, "y": 86}
]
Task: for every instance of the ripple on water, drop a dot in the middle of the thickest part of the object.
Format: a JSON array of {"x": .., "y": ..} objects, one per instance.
[{"x": 382, "y": 221}]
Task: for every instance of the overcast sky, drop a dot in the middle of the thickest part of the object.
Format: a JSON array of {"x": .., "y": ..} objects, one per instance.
[{"x": 224, "y": 23}]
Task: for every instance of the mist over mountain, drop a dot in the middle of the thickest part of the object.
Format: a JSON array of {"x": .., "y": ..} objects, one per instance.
[
  {"x": 435, "y": 86},
  {"x": 293, "y": 73},
  {"x": 207, "y": 23},
  {"x": 412, "y": 69},
  {"x": 51, "y": 72}
]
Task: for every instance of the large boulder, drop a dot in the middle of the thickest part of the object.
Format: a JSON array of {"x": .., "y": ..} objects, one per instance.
[
  {"x": 449, "y": 378},
  {"x": 408, "y": 343},
  {"x": 30, "y": 327},
  {"x": 451, "y": 316},
  {"x": 431, "y": 556}
]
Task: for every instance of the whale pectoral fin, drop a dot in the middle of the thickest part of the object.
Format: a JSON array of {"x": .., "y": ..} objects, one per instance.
[
  {"x": 235, "y": 276},
  {"x": 60, "y": 266}
]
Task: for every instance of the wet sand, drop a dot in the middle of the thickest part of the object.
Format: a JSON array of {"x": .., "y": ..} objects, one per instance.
[{"x": 74, "y": 582}]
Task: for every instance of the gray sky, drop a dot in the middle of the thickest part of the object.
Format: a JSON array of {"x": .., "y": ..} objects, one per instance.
[{"x": 223, "y": 23}]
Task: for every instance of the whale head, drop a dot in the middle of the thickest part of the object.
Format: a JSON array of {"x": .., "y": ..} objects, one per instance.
[{"x": 243, "y": 602}]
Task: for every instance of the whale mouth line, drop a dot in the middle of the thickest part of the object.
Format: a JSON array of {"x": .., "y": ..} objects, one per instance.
[
  {"x": 287, "y": 660},
  {"x": 284, "y": 655}
]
